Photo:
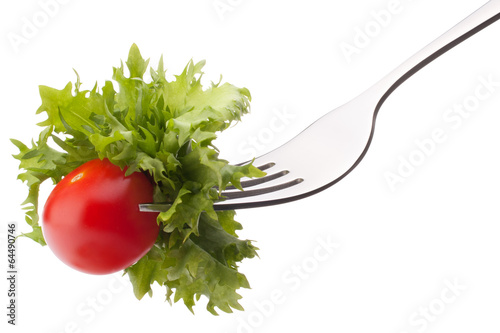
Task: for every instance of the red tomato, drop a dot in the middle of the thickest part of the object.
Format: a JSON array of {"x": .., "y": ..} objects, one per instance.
[{"x": 92, "y": 222}]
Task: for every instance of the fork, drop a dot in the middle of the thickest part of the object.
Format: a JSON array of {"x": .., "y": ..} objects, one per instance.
[{"x": 300, "y": 167}]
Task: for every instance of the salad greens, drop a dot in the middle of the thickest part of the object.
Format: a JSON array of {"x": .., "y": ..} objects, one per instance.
[{"x": 164, "y": 129}]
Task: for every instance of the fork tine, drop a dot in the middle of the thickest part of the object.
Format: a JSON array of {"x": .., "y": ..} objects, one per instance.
[
  {"x": 227, "y": 196},
  {"x": 266, "y": 166},
  {"x": 262, "y": 167},
  {"x": 244, "y": 194},
  {"x": 261, "y": 180}
]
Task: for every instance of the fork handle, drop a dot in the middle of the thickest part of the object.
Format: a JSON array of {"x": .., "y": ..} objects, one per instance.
[{"x": 475, "y": 22}]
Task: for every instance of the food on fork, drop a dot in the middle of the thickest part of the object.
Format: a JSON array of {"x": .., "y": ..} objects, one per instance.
[{"x": 143, "y": 142}]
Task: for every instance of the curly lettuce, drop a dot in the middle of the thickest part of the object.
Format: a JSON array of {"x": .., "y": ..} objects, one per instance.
[{"x": 165, "y": 129}]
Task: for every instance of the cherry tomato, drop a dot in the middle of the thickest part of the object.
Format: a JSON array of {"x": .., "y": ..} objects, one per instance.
[{"x": 91, "y": 220}]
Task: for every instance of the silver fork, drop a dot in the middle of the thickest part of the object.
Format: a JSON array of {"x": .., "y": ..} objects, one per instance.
[{"x": 330, "y": 148}]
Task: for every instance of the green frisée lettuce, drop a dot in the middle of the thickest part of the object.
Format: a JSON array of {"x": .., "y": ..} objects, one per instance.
[{"x": 166, "y": 130}]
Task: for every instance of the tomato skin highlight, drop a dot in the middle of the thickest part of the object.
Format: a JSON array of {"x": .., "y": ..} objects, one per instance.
[{"x": 91, "y": 219}]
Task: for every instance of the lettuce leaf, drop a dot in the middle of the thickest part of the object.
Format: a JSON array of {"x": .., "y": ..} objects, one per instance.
[{"x": 166, "y": 129}]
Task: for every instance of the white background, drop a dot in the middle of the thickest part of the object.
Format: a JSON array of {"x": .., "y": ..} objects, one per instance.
[{"x": 399, "y": 249}]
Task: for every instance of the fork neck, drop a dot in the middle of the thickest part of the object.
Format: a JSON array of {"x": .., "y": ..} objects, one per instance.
[{"x": 475, "y": 22}]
